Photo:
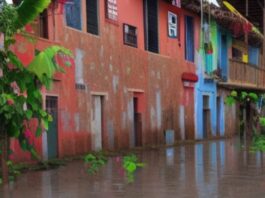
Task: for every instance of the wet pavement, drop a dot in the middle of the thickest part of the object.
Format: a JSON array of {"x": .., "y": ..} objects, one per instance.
[{"x": 210, "y": 169}]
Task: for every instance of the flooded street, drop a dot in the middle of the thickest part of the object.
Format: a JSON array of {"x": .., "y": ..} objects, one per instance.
[{"x": 209, "y": 169}]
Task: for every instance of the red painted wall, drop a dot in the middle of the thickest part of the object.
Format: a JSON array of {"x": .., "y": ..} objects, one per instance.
[{"x": 119, "y": 72}]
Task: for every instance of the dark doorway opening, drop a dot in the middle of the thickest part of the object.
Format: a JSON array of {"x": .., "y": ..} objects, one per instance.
[{"x": 52, "y": 133}]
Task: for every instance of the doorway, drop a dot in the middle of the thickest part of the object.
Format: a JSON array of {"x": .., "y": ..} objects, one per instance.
[
  {"x": 206, "y": 117},
  {"x": 52, "y": 133},
  {"x": 218, "y": 116},
  {"x": 137, "y": 121},
  {"x": 97, "y": 122}
]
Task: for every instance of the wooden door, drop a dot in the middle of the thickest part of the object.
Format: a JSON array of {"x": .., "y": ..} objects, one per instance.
[
  {"x": 96, "y": 123},
  {"x": 52, "y": 133}
]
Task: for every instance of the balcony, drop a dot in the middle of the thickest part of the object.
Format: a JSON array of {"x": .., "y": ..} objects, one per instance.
[{"x": 245, "y": 76}]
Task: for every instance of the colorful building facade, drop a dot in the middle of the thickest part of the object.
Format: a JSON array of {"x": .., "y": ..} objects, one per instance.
[
  {"x": 132, "y": 76},
  {"x": 133, "y": 79}
]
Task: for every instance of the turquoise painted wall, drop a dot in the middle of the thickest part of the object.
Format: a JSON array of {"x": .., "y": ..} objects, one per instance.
[
  {"x": 223, "y": 51},
  {"x": 211, "y": 59}
]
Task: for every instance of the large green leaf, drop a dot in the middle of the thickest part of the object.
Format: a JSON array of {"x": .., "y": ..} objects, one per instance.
[
  {"x": 44, "y": 66},
  {"x": 28, "y": 10}
]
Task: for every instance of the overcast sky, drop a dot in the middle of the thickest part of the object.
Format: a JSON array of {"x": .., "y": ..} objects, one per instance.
[{"x": 214, "y": 2}]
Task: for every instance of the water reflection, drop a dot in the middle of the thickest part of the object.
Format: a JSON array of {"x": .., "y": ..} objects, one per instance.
[{"x": 210, "y": 169}]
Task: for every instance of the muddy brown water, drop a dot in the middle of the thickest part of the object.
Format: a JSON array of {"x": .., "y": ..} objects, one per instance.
[{"x": 209, "y": 169}]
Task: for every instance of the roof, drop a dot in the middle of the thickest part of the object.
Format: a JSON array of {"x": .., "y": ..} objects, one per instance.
[{"x": 229, "y": 20}]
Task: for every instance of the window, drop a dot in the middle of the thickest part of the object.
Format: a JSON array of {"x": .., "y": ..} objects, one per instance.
[
  {"x": 73, "y": 14},
  {"x": 189, "y": 47},
  {"x": 130, "y": 35},
  {"x": 206, "y": 102},
  {"x": 253, "y": 55},
  {"x": 92, "y": 16},
  {"x": 40, "y": 25},
  {"x": 237, "y": 54},
  {"x": 151, "y": 25},
  {"x": 172, "y": 25},
  {"x": 111, "y": 9}
]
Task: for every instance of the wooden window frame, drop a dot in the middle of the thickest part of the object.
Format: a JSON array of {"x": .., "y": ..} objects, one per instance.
[
  {"x": 176, "y": 24},
  {"x": 107, "y": 16},
  {"x": 133, "y": 35},
  {"x": 92, "y": 26}
]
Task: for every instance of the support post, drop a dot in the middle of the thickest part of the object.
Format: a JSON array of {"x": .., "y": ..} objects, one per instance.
[{"x": 4, "y": 156}]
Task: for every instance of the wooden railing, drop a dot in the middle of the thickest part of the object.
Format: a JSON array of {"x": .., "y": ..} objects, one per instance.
[{"x": 245, "y": 74}]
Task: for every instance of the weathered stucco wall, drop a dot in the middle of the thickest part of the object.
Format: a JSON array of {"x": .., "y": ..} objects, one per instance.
[{"x": 103, "y": 66}]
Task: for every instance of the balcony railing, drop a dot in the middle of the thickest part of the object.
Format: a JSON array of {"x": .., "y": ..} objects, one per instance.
[{"x": 244, "y": 74}]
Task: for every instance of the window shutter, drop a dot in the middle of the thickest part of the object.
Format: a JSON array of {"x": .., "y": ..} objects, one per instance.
[
  {"x": 189, "y": 51},
  {"x": 151, "y": 10},
  {"x": 92, "y": 16}
]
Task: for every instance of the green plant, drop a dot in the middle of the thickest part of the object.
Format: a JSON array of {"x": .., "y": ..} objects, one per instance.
[
  {"x": 130, "y": 164},
  {"x": 95, "y": 162},
  {"x": 20, "y": 85},
  {"x": 241, "y": 97},
  {"x": 262, "y": 121},
  {"x": 13, "y": 171},
  {"x": 258, "y": 143}
]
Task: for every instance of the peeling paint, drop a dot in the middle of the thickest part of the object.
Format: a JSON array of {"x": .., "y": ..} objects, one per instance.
[
  {"x": 110, "y": 127},
  {"x": 65, "y": 120},
  {"x": 92, "y": 66},
  {"x": 130, "y": 110},
  {"x": 77, "y": 121},
  {"x": 123, "y": 123},
  {"x": 130, "y": 113},
  {"x": 115, "y": 83},
  {"x": 101, "y": 53},
  {"x": 182, "y": 121},
  {"x": 153, "y": 117},
  {"x": 158, "y": 75},
  {"x": 158, "y": 110},
  {"x": 110, "y": 67},
  {"x": 79, "y": 66},
  {"x": 128, "y": 70}
]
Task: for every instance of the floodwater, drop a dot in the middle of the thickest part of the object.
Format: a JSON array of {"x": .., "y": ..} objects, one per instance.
[{"x": 209, "y": 169}]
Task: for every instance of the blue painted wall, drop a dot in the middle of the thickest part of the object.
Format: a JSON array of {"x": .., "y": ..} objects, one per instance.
[
  {"x": 220, "y": 39},
  {"x": 253, "y": 55},
  {"x": 204, "y": 87}
]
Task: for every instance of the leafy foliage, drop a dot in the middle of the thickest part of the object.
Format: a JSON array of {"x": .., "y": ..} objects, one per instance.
[
  {"x": 94, "y": 162},
  {"x": 28, "y": 10},
  {"x": 241, "y": 97},
  {"x": 130, "y": 165},
  {"x": 20, "y": 95},
  {"x": 258, "y": 143},
  {"x": 262, "y": 121},
  {"x": 7, "y": 16},
  {"x": 45, "y": 72}
]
